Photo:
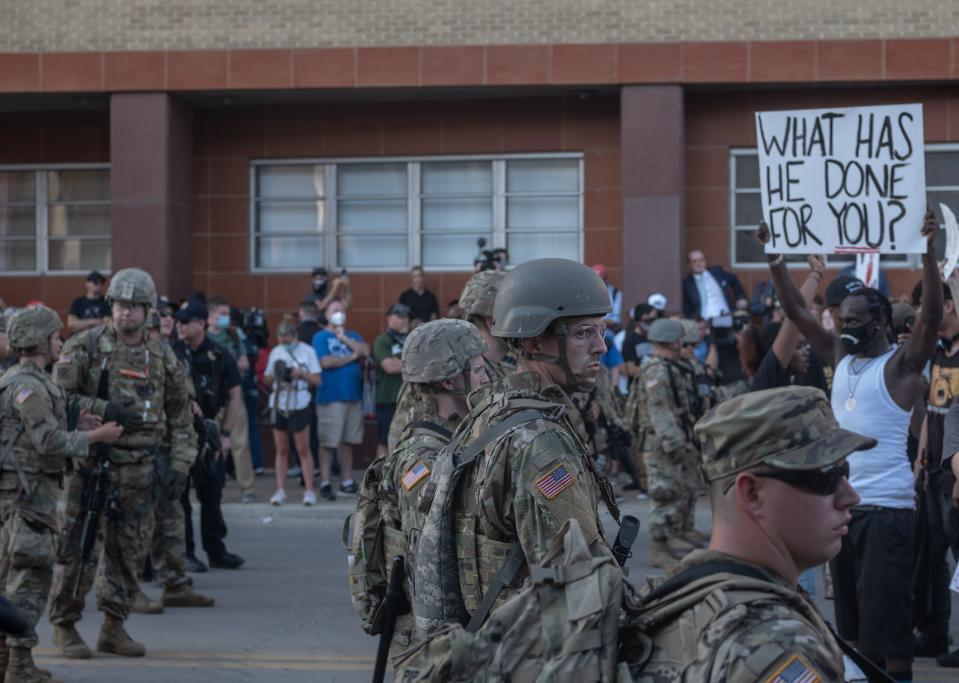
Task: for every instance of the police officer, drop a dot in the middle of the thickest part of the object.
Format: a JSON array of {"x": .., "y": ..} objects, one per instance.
[
  {"x": 145, "y": 381},
  {"x": 216, "y": 380},
  {"x": 35, "y": 443},
  {"x": 775, "y": 464},
  {"x": 669, "y": 446},
  {"x": 533, "y": 471},
  {"x": 442, "y": 362}
]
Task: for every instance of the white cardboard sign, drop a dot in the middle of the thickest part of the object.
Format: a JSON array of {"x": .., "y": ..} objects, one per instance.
[{"x": 843, "y": 181}]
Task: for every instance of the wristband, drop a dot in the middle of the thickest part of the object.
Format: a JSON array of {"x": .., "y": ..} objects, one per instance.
[{"x": 777, "y": 261}]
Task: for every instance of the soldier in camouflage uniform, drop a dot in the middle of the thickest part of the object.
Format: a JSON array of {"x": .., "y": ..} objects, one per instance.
[
  {"x": 669, "y": 449},
  {"x": 34, "y": 446},
  {"x": 775, "y": 464},
  {"x": 477, "y": 304},
  {"x": 531, "y": 472},
  {"x": 8, "y": 357},
  {"x": 443, "y": 360},
  {"x": 147, "y": 379},
  {"x": 698, "y": 397}
]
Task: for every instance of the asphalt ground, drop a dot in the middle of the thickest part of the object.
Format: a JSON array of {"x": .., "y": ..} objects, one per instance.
[{"x": 285, "y": 616}]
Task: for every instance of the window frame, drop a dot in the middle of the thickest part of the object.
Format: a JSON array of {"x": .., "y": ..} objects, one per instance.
[
  {"x": 42, "y": 219},
  {"x": 913, "y": 262},
  {"x": 414, "y": 231}
]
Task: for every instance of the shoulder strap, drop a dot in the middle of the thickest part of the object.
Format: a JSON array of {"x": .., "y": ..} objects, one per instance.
[
  {"x": 514, "y": 561},
  {"x": 701, "y": 571},
  {"x": 474, "y": 448},
  {"x": 442, "y": 432}
]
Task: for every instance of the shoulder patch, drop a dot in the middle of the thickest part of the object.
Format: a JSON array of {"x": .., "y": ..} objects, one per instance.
[
  {"x": 796, "y": 669},
  {"x": 651, "y": 383},
  {"x": 415, "y": 475},
  {"x": 24, "y": 395},
  {"x": 65, "y": 359},
  {"x": 555, "y": 481}
]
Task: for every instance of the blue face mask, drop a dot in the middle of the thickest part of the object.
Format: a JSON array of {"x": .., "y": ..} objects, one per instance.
[{"x": 223, "y": 321}]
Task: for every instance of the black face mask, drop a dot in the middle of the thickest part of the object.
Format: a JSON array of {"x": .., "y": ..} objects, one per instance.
[{"x": 856, "y": 339}]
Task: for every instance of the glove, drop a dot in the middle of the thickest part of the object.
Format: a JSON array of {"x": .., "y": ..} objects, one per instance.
[
  {"x": 177, "y": 485},
  {"x": 122, "y": 415}
]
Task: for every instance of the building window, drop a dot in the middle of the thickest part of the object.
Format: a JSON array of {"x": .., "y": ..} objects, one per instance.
[
  {"x": 391, "y": 214},
  {"x": 745, "y": 206},
  {"x": 54, "y": 220}
]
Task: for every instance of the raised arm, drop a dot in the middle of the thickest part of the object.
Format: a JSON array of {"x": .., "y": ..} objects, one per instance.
[
  {"x": 789, "y": 335},
  {"x": 921, "y": 345},
  {"x": 824, "y": 343}
]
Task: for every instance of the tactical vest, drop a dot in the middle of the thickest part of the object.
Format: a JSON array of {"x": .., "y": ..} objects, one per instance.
[
  {"x": 466, "y": 573},
  {"x": 12, "y": 429}
]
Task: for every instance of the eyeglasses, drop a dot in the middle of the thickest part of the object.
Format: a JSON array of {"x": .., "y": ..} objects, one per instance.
[
  {"x": 166, "y": 314},
  {"x": 823, "y": 482}
]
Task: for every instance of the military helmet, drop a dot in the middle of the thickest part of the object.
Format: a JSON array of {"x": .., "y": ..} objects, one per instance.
[
  {"x": 665, "y": 331},
  {"x": 440, "y": 350},
  {"x": 30, "y": 327},
  {"x": 132, "y": 284},
  {"x": 480, "y": 292},
  {"x": 690, "y": 332},
  {"x": 537, "y": 293}
]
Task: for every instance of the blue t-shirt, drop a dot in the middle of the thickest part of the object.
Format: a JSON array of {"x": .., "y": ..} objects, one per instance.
[
  {"x": 342, "y": 383},
  {"x": 612, "y": 357}
]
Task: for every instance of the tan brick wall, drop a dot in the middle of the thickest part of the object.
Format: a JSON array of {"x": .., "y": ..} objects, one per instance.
[{"x": 70, "y": 25}]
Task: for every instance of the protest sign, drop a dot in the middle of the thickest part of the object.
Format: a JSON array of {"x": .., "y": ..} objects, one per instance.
[{"x": 843, "y": 181}]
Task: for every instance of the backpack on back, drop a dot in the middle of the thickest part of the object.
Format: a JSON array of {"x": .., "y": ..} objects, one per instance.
[{"x": 368, "y": 576}]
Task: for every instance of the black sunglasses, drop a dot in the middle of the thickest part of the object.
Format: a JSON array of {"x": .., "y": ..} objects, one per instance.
[{"x": 820, "y": 482}]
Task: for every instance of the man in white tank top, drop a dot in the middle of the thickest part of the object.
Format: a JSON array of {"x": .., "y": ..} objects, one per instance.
[{"x": 875, "y": 385}]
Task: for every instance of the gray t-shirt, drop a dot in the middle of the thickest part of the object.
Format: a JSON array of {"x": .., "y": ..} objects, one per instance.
[{"x": 950, "y": 435}]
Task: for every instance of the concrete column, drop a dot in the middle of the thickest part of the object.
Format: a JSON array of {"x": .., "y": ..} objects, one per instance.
[
  {"x": 653, "y": 177},
  {"x": 151, "y": 164}
]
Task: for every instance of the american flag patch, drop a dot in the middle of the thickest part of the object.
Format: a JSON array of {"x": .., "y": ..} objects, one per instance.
[
  {"x": 795, "y": 670},
  {"x": 555, "y": 481},
  {"x": 65, "y": 359},
  {"x": 24, "y": 395},
  {"x": 415, "y": 475},
  {"x": 651, "y": 383}
]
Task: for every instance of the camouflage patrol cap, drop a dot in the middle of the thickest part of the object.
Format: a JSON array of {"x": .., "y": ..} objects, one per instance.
[
  {"x": 132, "y": 284},
  {"x": 537, "y": 293},
  {"x": 690, "y": 332},
  {"x": 792, "y": 428},
  {"x": 480, "y": 292},
  {"x": 665, "y": 331},
  {"x": 30, "y": 327},
  {"x": 440, "y": 350}
]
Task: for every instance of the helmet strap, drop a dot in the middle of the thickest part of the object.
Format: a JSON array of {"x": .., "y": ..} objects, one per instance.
[{"x": 560, "y": 331}]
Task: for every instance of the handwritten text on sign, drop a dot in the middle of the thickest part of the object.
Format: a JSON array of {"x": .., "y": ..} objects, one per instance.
[{"x": 843, "y": 180}]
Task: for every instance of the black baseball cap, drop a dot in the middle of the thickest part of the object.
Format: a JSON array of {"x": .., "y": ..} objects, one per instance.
[
  {"x": 840, "y": 288},
  {"x": 401, "y": 310},
  {"x": 319, "y": 270},
  {"x": 193, "y": 310},
  {"x": 96, "y": 278}
]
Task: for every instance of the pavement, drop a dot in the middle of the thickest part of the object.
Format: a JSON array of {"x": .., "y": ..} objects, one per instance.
[{"x": 285, "y": 616}]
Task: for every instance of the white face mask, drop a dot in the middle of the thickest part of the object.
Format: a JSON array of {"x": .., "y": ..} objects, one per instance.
[{"x": 338, "y": 319}]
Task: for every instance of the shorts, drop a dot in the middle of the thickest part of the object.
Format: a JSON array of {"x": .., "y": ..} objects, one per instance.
[
  {"x": 384, "y": 417},
  {"x": 339, "y": 422},
  {"x": 872, "y": 579},
  {"x": 296, "y": 421}
]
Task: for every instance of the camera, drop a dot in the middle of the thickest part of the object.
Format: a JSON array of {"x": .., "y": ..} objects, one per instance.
[
  {"x": 283, "y": 372},
  {"x": 489, "y": 259},
  {"x": 255, "y": 327}
]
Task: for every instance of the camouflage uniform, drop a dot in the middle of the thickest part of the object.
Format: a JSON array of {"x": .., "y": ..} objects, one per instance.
[
  {"x": 148, "y": 377},
  {"x": 35, "y": 444},
  {"x": 476, "y": 300},
  {"x": 741, "y": 622}
]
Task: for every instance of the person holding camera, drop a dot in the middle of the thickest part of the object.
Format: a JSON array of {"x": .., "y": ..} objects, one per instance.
[{"x": 292, "y": 371}]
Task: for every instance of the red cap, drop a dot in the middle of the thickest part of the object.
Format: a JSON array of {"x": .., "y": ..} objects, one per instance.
[{"x": 601, "y": 271}]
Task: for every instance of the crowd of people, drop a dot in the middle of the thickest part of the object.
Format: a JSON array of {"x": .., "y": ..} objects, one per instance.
[{"x": 564, "y": 404}]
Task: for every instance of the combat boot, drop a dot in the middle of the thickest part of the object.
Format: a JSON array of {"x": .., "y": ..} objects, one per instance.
[
  {"x": 182, "y": 596},
  {"x": 142, "y": 604},
  {"x": 696, "y": 538},
  {"x": 21, "y": 669},
  {"x": 659, "y": 556},
  {"x": 679, "y": 547},
  {"x": 114, "y": 638},
  {"x": 71, "y": 645}
]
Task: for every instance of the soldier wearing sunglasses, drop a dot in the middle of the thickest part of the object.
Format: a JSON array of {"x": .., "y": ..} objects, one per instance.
[{"x": 775, "y": 463}]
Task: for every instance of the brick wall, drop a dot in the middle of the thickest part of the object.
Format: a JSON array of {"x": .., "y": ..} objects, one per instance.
[
  {"x": 48, "y": 25},
  {"x": 717, "y": 122},
  {"x": 227, "y": 139}
]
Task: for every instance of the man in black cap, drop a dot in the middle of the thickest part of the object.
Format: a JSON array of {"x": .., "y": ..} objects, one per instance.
[
  {"x": 387, "y": 349},
  {"x": 841, "y": 287},
  {"x": 216, "y": 380},
  {"x": 91, "y": 309},
  {"x": 324, "y": 291}
]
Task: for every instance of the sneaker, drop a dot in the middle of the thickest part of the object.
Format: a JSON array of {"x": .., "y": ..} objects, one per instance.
[
  {"x": 226, "y": 561},
  {"x": 248, "y": 497},
  {"x": 309, "y": 498},
  {"x": 293, "y": 473},
  {"x": 349, "y": 489},
  {"x": 278, "y": 498},
  {"x": 194, "y": 565},
  {"x": 259, "y": 471},
  {"x": 327, "y": 491}
]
